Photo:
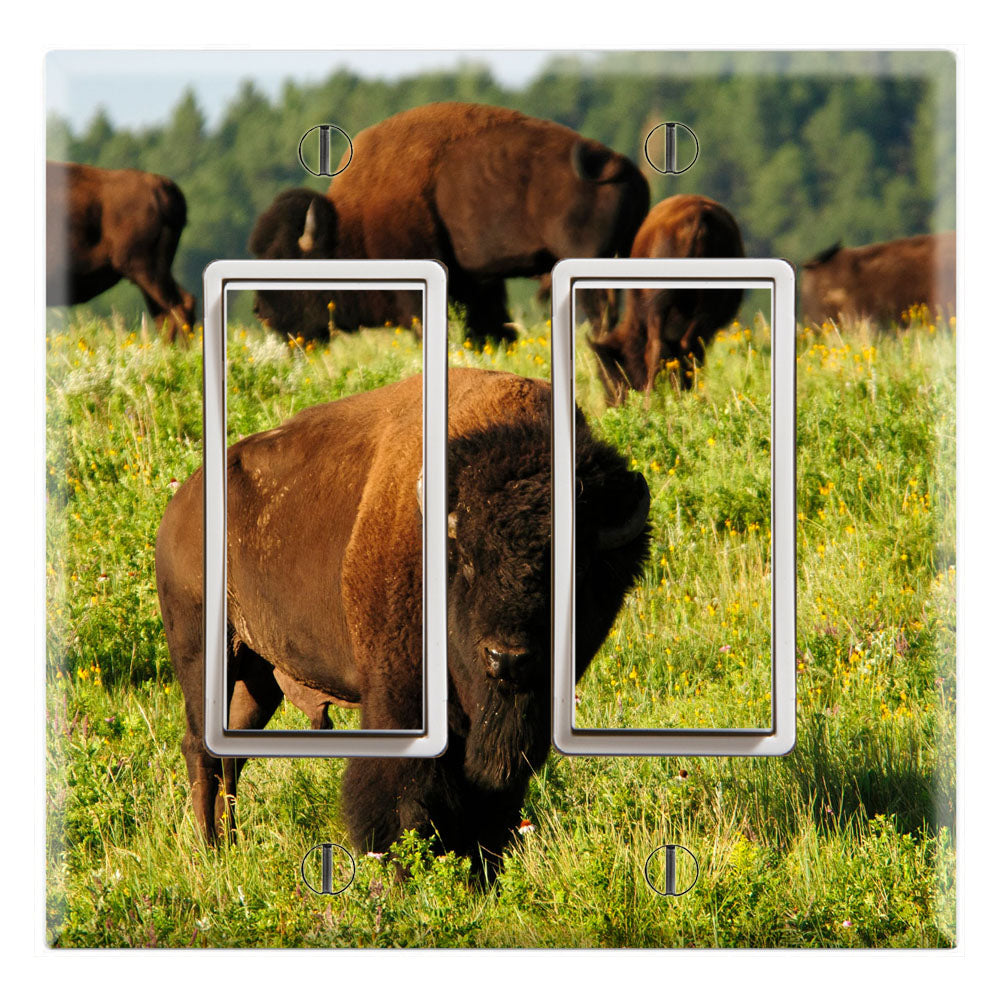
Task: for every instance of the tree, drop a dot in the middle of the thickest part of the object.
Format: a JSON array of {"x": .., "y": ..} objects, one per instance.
[{"x": 181, "y": 144}]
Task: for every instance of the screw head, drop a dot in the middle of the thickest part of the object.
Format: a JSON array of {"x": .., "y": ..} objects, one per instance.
[
  {"x": 331, "y": 138},
  {"x": 328, "y": 869},
  {"x": 679, "y": 148}
]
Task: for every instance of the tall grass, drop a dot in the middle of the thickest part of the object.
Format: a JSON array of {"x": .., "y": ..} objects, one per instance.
[{"x": 846, "y": 842}]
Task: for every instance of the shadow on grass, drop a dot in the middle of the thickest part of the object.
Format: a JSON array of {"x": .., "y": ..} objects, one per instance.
[{"x": 873, "y": 772}]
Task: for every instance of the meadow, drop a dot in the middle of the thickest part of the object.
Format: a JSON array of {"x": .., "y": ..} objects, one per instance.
[{"x": 846, "y": 842}]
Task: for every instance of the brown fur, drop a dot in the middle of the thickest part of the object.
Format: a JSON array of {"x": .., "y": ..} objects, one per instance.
[
  {"x": 661, "y": 326},
  {"x": 105, "y": 225},
  {"x": 490, "y": 192},
  {"x": 325, "y": 595},
  {"x": 880, "y": 281}
]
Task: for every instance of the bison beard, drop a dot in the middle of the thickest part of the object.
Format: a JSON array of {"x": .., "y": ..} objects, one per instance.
[
  {"x": 509, "y": 740},
  {"x": 354, "y": 635}
]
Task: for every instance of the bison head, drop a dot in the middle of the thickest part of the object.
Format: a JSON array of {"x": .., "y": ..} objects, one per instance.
[
  {"x": 499, "y": 606},
  {"x": 299, "y": 225}
]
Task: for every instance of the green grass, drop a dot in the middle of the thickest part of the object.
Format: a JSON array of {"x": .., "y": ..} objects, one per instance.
[
  {"x": 692, "y": 648},
  {"x": 847, "y": 842}
]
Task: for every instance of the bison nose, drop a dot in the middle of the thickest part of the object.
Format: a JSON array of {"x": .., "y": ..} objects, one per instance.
[{"x": 506, "y": 664}]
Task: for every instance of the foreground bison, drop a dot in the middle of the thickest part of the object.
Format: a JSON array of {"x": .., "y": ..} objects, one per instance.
[
  {"x": 661, "y": 326},
  {"x": 489, "y": 192},
  {"x": 105, "y": 225},
  {"x": 324, "y": 596},
  {"x": 880, "y": 281}
]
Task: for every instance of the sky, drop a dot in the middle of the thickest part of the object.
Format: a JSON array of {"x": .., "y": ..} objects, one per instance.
[{"x": 77, "y": 83}]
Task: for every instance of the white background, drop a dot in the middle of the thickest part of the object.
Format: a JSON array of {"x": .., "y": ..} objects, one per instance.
[{"x": 32, "y": 29}]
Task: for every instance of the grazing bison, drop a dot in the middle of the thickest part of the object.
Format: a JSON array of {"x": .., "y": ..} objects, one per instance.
[
  {"x": 324, "y": 596},
  {"x": 105, "y": 225},
  {"x": 670, "y": 326},
  {"x": 302, "y": 224},
  {"x": 490, "y": 192},
  {"x": 880, "y": 281}
]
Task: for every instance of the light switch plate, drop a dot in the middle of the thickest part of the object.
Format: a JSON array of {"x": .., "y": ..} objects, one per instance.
[
  {"x": 428, "y": 279},
  {"x": 777, "y": 279},
  {"x": 823, "y": 814}
]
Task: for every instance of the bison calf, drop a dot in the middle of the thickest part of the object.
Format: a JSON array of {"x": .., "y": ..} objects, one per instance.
[
  {"x": 664, "y": 326},
  {"x": 105, "y": 225},
  {"x": 325, "y": 596}
]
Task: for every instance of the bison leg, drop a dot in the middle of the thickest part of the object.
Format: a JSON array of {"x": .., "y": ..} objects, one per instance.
[
  {"x": 182, "y": 623},
  {"x": 653, "y": 354},
  {"x": 692, "y": 352},
  {"x": 205, "y": 776},
  {"x": 486, "y": 309},
  {"x": 612, "y": 366},
  {"x": 600, "y": 307},
  {"x": 383, "y": 796},
  {"x": 171, "y": 307},
  {"x": 679, "y": 355},
  {"x": 254, "y": 697}
]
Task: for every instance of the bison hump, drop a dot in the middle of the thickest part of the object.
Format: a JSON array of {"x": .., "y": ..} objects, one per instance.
[{"x": 824, "y": 255}]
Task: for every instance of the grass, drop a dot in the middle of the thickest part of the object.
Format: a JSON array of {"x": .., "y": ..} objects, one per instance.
[{"x": 847, "y": 842}]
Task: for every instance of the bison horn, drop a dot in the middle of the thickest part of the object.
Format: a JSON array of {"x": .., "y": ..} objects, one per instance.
[
  {"x": 307, "y": 241},
  {"x": 620, "y": 534},
  {"x": 452, "y": 517}
]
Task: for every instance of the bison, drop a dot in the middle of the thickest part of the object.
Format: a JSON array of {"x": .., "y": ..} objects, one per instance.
[
  {"x": 880, "y": 281},
  {"x": 302, "y": 224},
  {"x": 489, "y": 192},
  {"x": 325, "y": 590},
  {"x": 670, "y": 326},
  {"x": 105, "y": 225}
]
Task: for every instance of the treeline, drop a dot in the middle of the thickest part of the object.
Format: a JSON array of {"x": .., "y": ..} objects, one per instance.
[{"x": 804, "y": 148}]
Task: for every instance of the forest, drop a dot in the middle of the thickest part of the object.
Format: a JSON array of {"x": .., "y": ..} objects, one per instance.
[{"x": 805, "y": 149}]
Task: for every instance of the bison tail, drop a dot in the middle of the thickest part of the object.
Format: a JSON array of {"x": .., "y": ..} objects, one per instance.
[
  {"x": 172, "y": 204},
  {"x": 596, "y": 163}
]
